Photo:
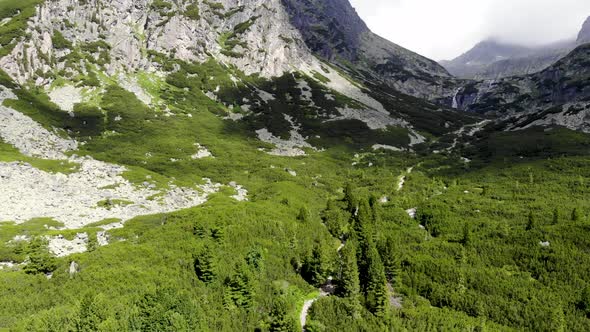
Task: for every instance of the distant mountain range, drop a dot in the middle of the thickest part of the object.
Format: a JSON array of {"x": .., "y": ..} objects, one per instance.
[{"x": 493, "y": 59}]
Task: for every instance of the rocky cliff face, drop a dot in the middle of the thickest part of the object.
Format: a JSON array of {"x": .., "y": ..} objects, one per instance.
[
  {"x": 267, "y": 38},
  {"x": 333, "y": 30},
  {"x": 122, "y": 34}
]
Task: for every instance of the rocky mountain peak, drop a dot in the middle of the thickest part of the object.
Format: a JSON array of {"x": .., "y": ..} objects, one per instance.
[
  {"x": 584, "y": 35},
  {"x": 332, "y": 28}
]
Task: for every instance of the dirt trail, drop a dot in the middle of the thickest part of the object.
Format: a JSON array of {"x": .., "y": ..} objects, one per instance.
[
  {"x": 474, "y": 128},
  {"x": 402, "y": 179},
  {"x": 327, "y": 289}
]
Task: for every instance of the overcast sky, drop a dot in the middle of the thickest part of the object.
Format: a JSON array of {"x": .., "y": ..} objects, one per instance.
[{"x": 444, "y": 29}]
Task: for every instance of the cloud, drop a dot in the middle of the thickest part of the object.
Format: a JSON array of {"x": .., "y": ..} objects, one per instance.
[{"x": 445, "y": 29}]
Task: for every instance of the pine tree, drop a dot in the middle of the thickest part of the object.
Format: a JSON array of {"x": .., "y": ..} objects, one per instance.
[
  {"x": 199, "y": 230},
  {"x": 575, "y": 215},
  {"x": 89, "y": 316},
  {"x": 205, "y": 266},
  {"x": 466, "y": 240},
  {"x": 390, "y": 257},
  {"x": 555, "y": 216},
  {"x": 584, "y": 303},
  {"x": 39, "y": 258},
  {"x": 349, "y": 279},
  {"x": 531, "y": 221},
  {"x": 279, "y": 318},
  {"x": 349, "y": 198},
  {"x": 335, "y": 219},
  {"x": 558, "y": 319},
  {"x": 315, "y": 267},
  {"x": 217, "y": 233},
  {"x": 376, "y": 212},
  {"x": 304, "y": 215},
  {"x": 364, "y": 238},
  {"x": 239, "y": 289},
  {"x": 364, "y": 219},
  {"x": 376, "y": 297}
]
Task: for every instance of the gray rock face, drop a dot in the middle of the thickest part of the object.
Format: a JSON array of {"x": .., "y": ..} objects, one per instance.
[
  {"x": 255, "y": 36},
  {"x": 333, "y": 30},
  {"x": 341, "y": 37},
  {"x": 122, "y": 33},
  {"x": 584, "y": 35}
]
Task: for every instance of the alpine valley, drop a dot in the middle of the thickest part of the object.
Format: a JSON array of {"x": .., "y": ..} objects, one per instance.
[{"x": 273, "y": 165}]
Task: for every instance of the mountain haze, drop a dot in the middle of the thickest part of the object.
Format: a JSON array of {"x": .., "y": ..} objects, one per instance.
[{"x": 494, "y": 59}]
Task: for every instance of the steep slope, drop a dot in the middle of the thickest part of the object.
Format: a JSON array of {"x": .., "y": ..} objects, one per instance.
[
  {"x": 493, "y": 59},
  {"x": 333, "y": 30},
  {"x": 558, "y": 95}
]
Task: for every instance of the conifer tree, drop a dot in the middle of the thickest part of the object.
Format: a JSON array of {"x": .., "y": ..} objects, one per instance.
[
  {"x": 555, "y": 216},
  {"x": 239, "y": 289},
  {"x": 389, "y": 255},
  {"x": 205, "y": 266},
  {"x": 349, "y": 279},
  {"x": 376, "y": 296},
  {"x": 315, "y": 267},
  {"x": 364, "y": 218},
  {"x": 584, "y": 303},
  {"x": 304, "y": 215},
  {"x": 88, "y": 316},
  {"x": 531, "y": 221},
  {"x": 40, "y": 260},
  {"x": 279, "y": 318},
  {"x": 575, "y": 215},
  {"x": 466, "y": 240},
  {"x": 349, "y": 197}
]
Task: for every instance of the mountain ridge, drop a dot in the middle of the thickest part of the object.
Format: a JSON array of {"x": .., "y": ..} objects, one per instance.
[{"x": 494, "y": 59}]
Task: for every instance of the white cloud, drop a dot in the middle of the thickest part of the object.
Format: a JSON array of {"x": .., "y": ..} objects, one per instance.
[{"x": 443, "y": 29}]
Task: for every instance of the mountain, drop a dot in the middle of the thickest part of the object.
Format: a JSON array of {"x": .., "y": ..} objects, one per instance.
[
  {"x": 333, "y": 30},
  {"x": 492, "y": 59},
  {"x": 557, "y": 95},
  {"x": 73, "y": 47}
]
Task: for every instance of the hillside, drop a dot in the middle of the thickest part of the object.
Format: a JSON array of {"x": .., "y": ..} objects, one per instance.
[
  {"x": 179, "y": 165},
  {"x": 557, "y": 95}
]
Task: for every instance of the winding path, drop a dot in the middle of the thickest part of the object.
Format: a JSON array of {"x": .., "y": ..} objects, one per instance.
[
  {"x": 474, "y": 128},
  {"x": 402, "y": 179},
  {"x": 327, "y": 289}
]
